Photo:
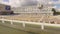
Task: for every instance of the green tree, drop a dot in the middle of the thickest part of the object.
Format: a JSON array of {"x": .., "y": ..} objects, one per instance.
[{"x": 54, "y": 11}]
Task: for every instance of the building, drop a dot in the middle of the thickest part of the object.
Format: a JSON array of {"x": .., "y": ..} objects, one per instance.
[
  {"x": 5, "y": 9},
  {"x": 34, "y": 10}
]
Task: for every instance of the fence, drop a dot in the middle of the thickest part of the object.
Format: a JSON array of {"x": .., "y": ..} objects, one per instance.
[{"x": 34, "y": 23}]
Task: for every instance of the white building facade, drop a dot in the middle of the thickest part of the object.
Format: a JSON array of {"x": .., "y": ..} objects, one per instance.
[
  {"x": 30, "y": 9},
  {"x": 46, "y": 10}
]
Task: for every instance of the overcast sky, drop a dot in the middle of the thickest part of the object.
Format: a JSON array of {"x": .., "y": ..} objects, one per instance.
[{"x": 17, "y": 3}]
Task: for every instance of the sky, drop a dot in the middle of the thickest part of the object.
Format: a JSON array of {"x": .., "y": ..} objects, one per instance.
[
  {"x": 29, "y": 2},
  {"x": 6, "y": 0},
  {"x": 57, "y": 5}
]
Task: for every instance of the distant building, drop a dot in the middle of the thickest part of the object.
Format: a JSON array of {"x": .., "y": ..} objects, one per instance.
[
  {"x": 5, "y": 9},
  {"x": 34, "y": 10}
]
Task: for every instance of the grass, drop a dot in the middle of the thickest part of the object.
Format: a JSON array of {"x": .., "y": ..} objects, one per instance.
[
  {"x": 7, "y": 22},
  {"x": 6, "y": 30},
  {"x": 29, "y": 29}
]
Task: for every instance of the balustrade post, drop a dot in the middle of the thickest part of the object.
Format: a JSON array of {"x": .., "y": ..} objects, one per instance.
[
  {"x": 23, "y": 24},
  {"x": 12, "y": 22},
  {"x": 42, "y": 26}
]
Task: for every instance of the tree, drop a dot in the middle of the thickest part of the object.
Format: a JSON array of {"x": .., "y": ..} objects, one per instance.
[{"x": 54, "y": 11}]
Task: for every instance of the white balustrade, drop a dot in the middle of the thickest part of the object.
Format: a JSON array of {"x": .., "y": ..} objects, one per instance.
[{"x": 33, "y": 23}]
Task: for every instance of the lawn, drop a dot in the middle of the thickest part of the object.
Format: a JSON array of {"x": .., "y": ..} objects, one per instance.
[{"x": 29, "y": 29}]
